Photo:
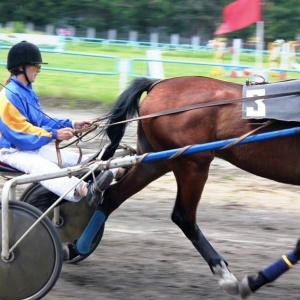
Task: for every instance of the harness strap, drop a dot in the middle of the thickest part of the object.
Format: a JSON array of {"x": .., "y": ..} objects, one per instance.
[
  {"x": 80, "y": 133},
  {"x": 247, "y": 134},
  {"x": 59, "y": 159},
  {"x": 58, "y": 153},
  {"x": 202, "y": 105},
  {"x": 237, "y": 140}
]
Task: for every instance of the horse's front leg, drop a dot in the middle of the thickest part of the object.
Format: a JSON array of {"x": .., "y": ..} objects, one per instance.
[
  {"x": 251, "y": 284},
  {"x": 190, "y": 183}
]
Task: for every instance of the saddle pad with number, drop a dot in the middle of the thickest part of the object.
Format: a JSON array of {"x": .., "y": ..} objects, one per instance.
[{"x": 285, "y": 108}]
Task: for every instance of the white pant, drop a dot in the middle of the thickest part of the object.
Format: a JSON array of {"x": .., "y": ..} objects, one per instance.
[{"x": 42, "y": 161}]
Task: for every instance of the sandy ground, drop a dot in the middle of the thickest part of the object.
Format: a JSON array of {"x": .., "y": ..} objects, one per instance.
[{"x": 143, "y": 255}]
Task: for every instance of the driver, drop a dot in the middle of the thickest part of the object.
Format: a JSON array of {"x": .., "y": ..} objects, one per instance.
[{"x": 26, "y": 131}]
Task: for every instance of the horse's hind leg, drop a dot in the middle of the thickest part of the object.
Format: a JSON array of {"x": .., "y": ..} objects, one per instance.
[
  {"x": 191, "y": 177},
  {"x": 139, "y": 177},
  {"x": 251, "y": 284}
]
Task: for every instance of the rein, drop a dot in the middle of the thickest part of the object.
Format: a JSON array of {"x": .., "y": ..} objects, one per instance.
[
  {"x": 80, "y": 134},
  {"x": 96, "y": 122},
  {"x": 200, "y": 105}
]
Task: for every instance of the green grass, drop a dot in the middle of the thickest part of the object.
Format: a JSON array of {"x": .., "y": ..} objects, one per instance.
[{"x": 75, "y": 87}]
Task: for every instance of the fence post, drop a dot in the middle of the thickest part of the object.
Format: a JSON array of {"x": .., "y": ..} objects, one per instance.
[
  {"x": 91, "y": 33},
  {"x": 155, "y": 68},
  {"x": 123, "y": 69}
]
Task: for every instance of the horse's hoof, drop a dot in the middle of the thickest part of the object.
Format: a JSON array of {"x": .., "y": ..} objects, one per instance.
[
  {"x": 244, "y": 288},
  {"x": 230, "y": 285},
  {"x": 228, "y": 282}
]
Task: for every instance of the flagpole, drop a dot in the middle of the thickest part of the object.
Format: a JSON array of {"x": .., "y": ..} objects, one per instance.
[
  {"x": 259, "y": 44},
  {"x": 259, "y": 69}
]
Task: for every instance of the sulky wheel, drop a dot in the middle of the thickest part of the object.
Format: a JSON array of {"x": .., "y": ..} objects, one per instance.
[
  {"x": 35, "y": 264},
  {"x": 74, "y": 217}
]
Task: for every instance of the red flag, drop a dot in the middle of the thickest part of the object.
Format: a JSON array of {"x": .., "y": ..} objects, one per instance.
[{"x": 239, "y": 14}]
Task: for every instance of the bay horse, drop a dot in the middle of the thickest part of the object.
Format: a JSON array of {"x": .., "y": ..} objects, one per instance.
[{"x": 276, "y": 159}]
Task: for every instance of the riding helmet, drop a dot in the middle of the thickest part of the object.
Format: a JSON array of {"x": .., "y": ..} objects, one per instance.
[{"x": 23, "y": 53}]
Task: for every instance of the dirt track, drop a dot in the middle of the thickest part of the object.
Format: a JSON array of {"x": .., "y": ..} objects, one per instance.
[{"x": 143, "y": 255}]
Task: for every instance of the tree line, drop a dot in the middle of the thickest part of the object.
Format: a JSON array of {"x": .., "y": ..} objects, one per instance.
[{"x": 184, "y": 17}]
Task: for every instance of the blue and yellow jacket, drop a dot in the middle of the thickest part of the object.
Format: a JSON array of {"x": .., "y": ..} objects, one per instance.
[{"x": 22, "y": 122}]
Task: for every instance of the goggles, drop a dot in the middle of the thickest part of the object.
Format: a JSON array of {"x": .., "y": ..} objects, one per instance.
[{"x": 37, "y": 66}]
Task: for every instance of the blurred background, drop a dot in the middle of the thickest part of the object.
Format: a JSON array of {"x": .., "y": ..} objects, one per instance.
[{"x": 95, "y": 48}]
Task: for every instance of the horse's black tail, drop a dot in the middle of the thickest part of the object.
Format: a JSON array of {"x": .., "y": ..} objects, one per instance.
[{"x": 126, "y": 107}]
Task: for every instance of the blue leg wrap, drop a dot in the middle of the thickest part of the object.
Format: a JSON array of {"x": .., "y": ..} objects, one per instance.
[
  {"x": 84, "y": 243},
  {"x": 282, "y": 265}
]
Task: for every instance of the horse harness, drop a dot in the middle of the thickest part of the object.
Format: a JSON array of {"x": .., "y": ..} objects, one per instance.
[{"x": 97, "y": 122}]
